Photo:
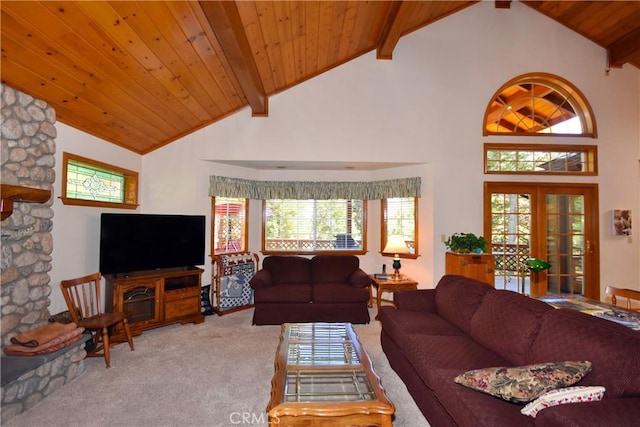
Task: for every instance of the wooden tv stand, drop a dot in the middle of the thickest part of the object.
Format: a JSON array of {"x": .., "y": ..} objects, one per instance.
[{"x": 155, "y": 298}]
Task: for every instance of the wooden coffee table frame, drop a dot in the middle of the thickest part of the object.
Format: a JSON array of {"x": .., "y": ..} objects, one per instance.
[{"x": 326, "y": 409}]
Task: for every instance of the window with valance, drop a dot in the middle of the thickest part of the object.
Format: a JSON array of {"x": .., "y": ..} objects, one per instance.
[
  {"x": 309, "y": 217},
  {"x": 313, "y": 190}
]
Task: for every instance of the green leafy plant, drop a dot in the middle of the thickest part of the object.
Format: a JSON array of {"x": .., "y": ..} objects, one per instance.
[{"x": 465, "y": 243}]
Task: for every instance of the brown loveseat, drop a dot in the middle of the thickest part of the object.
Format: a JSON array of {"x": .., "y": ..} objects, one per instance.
[
  {"x": 437, "y": 334},
  {"x": 325, "y": 288}
]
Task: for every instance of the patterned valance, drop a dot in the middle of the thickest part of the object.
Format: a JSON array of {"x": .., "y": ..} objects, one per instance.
[{"x": 317, "y": 190}]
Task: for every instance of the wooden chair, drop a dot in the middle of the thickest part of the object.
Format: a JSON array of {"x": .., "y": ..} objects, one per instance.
[
  {"x": 84, "y": 301},
  {"x": 629, "y": 294}
]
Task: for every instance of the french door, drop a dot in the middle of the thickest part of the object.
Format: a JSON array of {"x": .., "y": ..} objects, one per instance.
[{"x": 552, "y": 222}]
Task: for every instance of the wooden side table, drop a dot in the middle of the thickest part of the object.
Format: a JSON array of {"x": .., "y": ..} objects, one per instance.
[{"x": 390, "y": 285}]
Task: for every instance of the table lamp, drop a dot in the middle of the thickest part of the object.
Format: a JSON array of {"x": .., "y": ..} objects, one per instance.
[
  {"x": 537, "y": 265},
  {"x": 396, "y": 245}
]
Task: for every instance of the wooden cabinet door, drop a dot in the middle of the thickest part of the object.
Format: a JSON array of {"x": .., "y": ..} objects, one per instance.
[
  {"x": 475, "y": 266},
  {"x": 141, "y": 299}
]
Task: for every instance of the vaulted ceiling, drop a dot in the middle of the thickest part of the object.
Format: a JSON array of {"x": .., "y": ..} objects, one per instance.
[{"x": 141, "y": 74}]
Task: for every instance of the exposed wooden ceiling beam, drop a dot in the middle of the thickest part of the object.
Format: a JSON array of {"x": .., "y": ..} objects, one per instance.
[
  {"x": 224, "y": 18},
  {"x": 624, "y": 49},
  {"x": 391, "y": 32}
]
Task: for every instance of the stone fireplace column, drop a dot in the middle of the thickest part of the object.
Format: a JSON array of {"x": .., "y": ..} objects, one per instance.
[
  {"x": 27, "y": 157},
  {"x": 27, "y": 130}
]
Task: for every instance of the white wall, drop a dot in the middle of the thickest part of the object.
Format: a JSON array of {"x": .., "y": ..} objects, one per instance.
[
  {"x": 424, "y": 106},
  {"x": 76, "y": 229}
]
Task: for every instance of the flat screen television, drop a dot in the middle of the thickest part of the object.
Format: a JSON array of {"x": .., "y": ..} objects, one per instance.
[{"x": 139, "y": 242}]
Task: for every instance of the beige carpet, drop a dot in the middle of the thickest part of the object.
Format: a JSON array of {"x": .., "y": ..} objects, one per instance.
[{"x": 217, "y": 373}]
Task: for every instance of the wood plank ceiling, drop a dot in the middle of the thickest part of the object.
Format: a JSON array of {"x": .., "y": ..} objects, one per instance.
[{"x": 142, "y": 74}]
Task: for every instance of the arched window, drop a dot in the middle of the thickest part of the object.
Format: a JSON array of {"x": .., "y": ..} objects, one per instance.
[
  {"x": 539, "y": 104},
  {"x": 552, "y": 221}
]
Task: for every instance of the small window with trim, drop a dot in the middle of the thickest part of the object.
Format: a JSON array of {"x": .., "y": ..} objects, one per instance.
[
  {"x": 538, "y": 159},
  {"x": 230, "y": 224},
  {"x": 87, "y": 182},
  {"x": 400, "y": 218}
]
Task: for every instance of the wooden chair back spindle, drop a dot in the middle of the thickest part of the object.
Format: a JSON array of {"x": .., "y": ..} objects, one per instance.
[{"x": 84, "y": 298}]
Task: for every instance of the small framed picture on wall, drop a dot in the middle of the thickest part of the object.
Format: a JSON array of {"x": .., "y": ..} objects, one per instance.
[{"x": 621, "y": 222}]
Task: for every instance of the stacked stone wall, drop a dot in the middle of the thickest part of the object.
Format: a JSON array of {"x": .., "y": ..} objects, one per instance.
[
  {"x": 27, "y": 130},
  {"x": 28, "y": 149},
  {"x": 34, "y": 385}
]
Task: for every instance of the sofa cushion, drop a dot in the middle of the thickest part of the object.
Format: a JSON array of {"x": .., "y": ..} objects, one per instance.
[
  {"x": 522, "y": 384},
  {"x": 613, "y": 349},
  {"x": 399, "y": 323},
  {"x": 333, "y": 268},
  {"x": 288, "y": 269},
  {"x": 421, "y": 300},
  {"x": 605, "y": 413},
  {"x": 458, "y": 297},
  {"x": 338, "y": 292},
  {"x": 284, "y": 293},
  {"x": 469, "y": 408},
  {"x": 507, "y": 323},
  {"x": 428, "y": 353}
]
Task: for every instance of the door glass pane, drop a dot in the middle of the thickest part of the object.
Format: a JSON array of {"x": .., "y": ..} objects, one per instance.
[
  {"x": 511, "y": 240},
  {"x": 565, "y": 243}
]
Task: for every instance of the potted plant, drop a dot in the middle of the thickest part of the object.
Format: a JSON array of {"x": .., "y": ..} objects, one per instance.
[{"x": 464, "y": 243}]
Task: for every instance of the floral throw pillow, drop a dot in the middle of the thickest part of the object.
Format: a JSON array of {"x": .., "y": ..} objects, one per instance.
[{"x": 522, "y": 384}]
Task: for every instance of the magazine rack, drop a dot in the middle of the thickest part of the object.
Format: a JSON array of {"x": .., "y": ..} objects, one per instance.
[{"x": 230, "y": 278}]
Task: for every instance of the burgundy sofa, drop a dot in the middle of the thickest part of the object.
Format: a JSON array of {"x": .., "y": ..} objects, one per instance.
[
  {"x": 433, "y": 335},
  {"x": 325, "y": 288}
]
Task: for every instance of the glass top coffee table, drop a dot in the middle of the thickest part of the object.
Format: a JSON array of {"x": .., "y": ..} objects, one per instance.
[{"x": 324, "y": 377}]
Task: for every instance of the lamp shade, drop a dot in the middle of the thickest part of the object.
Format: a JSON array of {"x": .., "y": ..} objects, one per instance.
[
  {"x": 537, "y": 265},
  {"x": 396, "y": 245}
]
